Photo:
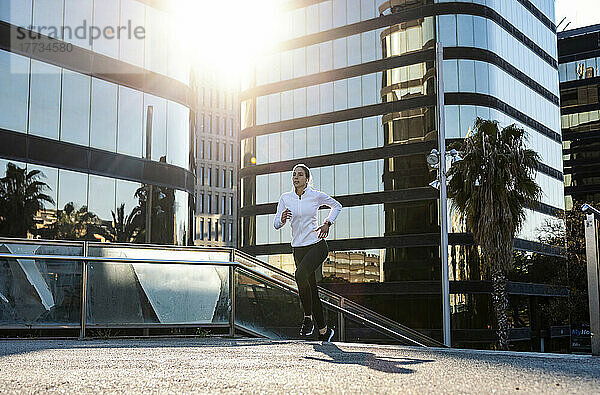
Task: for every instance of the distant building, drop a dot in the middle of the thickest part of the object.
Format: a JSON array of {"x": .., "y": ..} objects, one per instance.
[
  {"x": 579, "y": 70},
  {"x": 217, "y": 160}
]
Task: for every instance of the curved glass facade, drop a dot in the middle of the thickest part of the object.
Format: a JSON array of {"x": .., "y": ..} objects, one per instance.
[
  {"x": 101, "y": 113},
  {"x": 358, "y": 106},
  {"x": 158, "y": 51}
]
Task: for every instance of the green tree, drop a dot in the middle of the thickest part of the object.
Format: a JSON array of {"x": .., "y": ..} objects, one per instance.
[
  {"x": 490, "y": 189},
  {"x": 73, "y": 224},
  {"x": 21, "y": 198},
  {"x": 577, "y": 265},
  {"x": 123, "y": 228}
]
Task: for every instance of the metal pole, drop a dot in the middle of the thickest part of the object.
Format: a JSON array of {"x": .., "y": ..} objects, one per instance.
[
  {"x": 149, "y": 157},
  {"x": 443, "y": 197},
  {"x": 342, "y": 322},
  {"x": 84, "y": 281},
  {"x": 232, "y": 301},
  {"x": 591, "y": 250}
]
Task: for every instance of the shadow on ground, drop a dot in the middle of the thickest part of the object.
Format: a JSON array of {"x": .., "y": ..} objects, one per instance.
[
  {"x": 388, "y": 359},
  {"x": 368, "y": 359}
]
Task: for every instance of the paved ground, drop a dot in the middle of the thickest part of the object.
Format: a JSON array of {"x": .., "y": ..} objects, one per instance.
[{"x": 252, "y": 366}]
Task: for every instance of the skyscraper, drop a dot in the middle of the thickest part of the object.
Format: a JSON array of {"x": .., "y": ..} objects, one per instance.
[
  {"x": 579, "y": 69},
  {"x": 351, "y": 93},
  {"x": 217, "y": 160}
]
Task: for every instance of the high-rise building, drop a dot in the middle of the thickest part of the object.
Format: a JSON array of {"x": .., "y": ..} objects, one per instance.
[
  {"x": 579, "y": 70},
  {"x": 96, "y": 95},
  {"x": 351, "y": 93},
  {"x": 217, "y": 160}
]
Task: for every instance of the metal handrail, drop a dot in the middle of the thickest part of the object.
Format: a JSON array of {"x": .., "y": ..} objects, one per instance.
[
  {"x": 355, "y": 316},
  {"x": 347, "y": 302},
  {"x": 114, "y": 259},
  {"x": 235, "y": 264},
  {"x": 360, "y": 316}
]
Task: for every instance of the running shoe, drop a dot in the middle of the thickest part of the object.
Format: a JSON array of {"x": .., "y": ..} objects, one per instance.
[
  {"x": 327, "y": 336},
  {"x": 307, "y": 327}
]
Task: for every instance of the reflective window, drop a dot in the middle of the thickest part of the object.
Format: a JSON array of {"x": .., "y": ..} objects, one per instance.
[
  {"x": 181, "y": 217},
  {"x": 129, "y": 138},
  {"x": 125, "y": 194},
  {"x": 14, "y": 91},
  {"x": 156, "y": 36},
  {"x": 49, "y": 13},
  {"x": 102, "y": 194},
  {"x": 178, "y": 135},
  {"x": 72, "y": 188},
  {"x": 49, "y": 175},
  {"x": 75, "y": 110},
  {"x": 44, "y": 113},
  {"x": 159, "y": 125},
  {"x": 329, "y": 96},
  {"x": 107, "y": 15},
  {"x": 104, "y": 115},
  {"x": 78, "y": 12},
  {"x": 334, "y": 180},
  {"x": 17, "y": 12},
  {"x": 131, "y": 48},
  {"x": 353, "y": 11},
  {"x": 464, "y": 24}
]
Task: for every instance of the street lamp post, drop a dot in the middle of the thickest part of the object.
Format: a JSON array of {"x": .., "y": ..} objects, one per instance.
[
  {"x": 443, "y": 196},
  {"x": 149, "y": 191}
]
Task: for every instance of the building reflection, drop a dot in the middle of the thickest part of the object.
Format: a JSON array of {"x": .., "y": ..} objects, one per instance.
[{"x": 352, "y": 267}]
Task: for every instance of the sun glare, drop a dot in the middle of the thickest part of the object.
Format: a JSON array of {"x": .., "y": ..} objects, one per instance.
[{"x": 227, "y": 36}]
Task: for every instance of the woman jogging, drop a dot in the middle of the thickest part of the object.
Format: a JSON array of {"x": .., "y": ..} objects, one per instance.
[{"x": 300, "y": 207}]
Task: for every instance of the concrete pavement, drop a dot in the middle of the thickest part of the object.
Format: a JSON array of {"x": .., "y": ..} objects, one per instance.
[{"x": 213, "y": 365}]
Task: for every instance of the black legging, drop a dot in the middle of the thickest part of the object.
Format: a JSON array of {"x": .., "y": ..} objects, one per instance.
[{"x": 308, "y": 259}]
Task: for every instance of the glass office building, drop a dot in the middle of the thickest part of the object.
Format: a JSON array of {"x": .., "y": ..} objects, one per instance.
[
  {"x": 75, "y": 104},
  {"x": 579, "y": 70},
  {"x": 351, "y": 93}
]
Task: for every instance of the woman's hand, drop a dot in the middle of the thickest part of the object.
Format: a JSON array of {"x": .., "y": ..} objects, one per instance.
[
  {"x": 287, "y": 214},
  {"x": 323, "y": 230}
]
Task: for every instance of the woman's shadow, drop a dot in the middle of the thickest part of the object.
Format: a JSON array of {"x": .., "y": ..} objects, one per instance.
[{"x": 368, "y": 359}]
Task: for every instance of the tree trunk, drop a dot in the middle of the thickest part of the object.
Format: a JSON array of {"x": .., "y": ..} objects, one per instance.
[{"x": 500, "y": 302}]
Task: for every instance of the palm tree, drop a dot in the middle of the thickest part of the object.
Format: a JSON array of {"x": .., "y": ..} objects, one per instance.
[
  {"x": 123, "y": 229},
  {"x": 490, "y": 190},
  {"x": 21, "y": 198},
  {"x": 73, "y": 224}
]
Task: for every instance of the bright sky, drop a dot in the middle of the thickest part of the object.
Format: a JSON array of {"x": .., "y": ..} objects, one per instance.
[
  {"x": 578, "y": 12},
  {"x": 227, "y": 35},
  {"x": 230, "y": 35}
]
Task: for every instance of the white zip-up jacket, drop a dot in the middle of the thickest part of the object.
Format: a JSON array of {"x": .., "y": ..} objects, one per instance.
[{"x": 304, "y": 214}]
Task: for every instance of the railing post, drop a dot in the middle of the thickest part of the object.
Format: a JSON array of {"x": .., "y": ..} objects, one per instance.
[
  {"x": 591, "y": 247},
  {"x": 232, "y": 296},
  {"x": 342, "y": 322},
  {"x": 84, "y": 281}
]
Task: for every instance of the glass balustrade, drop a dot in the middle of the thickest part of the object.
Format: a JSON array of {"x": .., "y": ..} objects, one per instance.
[{"x": 47, "y": 284}]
